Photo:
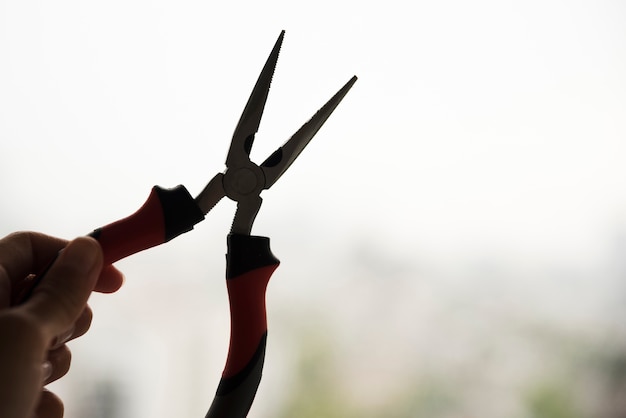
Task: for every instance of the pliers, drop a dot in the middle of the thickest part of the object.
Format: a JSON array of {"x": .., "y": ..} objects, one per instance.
[{"x": 250, "y": 263}]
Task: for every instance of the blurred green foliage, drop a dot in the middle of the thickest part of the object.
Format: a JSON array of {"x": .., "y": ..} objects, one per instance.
[
  {"x": 580, "y": 378},
  {"x": 548, "y": 400}
]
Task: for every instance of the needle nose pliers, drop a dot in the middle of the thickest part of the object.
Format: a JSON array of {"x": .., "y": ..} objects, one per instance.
[{"x": 250, "y": 263}]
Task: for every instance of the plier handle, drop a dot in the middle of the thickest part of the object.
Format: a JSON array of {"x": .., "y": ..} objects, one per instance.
[{"x": 250, "y": 263}]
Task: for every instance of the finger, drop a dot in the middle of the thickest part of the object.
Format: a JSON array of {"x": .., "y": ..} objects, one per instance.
[
  {"x": 79, "y": 328},
  {"x": 23, "y": 253},
  {"x": 22, "y": 354},
  {"x": 50, "y": 406},
  {"x": 58, "y": 300},
  {"x": 110, "y": 280},
  {"x": 20, "y": 289},
  {"x": 5, "y": 288},
  {"x": 82, "y": 324},
  {"x": 59, "y": 360}
]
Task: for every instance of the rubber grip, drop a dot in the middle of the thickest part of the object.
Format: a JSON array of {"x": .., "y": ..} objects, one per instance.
[
  {"x": 249, "y": 266},
  {"x": 166, "y": 214}
]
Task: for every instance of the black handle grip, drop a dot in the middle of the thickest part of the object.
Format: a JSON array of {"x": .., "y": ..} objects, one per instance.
[{"x": 249, "y": 266}]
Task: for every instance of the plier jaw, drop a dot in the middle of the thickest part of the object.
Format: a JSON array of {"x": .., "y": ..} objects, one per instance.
[
  {"x": 243, "y": 181},
  {"x": 250, "y": 119}
]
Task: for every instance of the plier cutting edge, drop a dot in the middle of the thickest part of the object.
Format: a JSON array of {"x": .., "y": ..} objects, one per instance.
[{"x": 250, "y": 263}]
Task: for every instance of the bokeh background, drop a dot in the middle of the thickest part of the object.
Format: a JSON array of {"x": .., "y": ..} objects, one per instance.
[{"x": 452, "y": 242}]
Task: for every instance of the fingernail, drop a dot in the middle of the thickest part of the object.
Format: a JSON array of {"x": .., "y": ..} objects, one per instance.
[{"x": 46, "y": 370}]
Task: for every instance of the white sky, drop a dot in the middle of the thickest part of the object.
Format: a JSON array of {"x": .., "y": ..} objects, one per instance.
[
  {"x": 495, "y": 123},
  {"x": 476, "y": 129}
]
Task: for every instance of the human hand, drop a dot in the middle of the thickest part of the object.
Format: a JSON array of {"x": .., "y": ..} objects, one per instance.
[{"x": 33, "y": 334}]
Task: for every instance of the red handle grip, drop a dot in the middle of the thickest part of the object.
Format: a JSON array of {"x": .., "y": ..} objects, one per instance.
[
  {"x": 166, "y": 214},
  {"x": 249, "y": 266}
]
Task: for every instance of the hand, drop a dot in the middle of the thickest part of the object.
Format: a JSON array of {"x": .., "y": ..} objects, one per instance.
[{"x": 33, "y": 334}]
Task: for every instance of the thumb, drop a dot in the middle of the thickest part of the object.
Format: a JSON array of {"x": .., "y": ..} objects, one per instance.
[{"x": 62, "y": 294}]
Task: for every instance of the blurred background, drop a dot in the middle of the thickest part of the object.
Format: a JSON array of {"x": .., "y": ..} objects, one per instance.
[{"x": 452, "y": 242}]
